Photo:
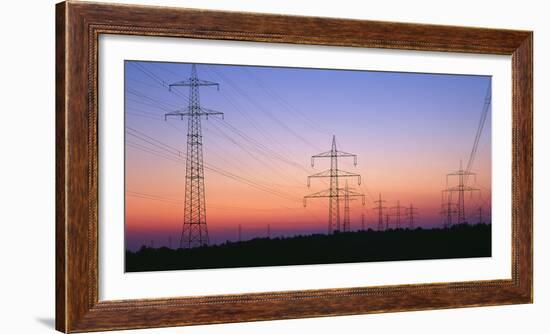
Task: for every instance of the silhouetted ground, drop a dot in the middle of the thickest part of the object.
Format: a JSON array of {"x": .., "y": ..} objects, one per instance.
[{"x": 461, "y": 241}]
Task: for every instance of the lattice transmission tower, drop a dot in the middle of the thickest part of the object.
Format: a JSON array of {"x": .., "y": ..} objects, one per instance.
[
  {"x": 397, "y": 214},
  {"x": 461, "y": 188},
  {"x": 347, "y": 219},
  {"x": 334, "y": 193},
  {"x": 194, "y": 232},
  {"x": 380, "y": 209},
  {"x": 410, "y": 212},
  {"x": 448, "y": 209}
]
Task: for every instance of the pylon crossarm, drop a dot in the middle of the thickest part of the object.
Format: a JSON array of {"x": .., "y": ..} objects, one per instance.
[
  {"x": 458, "y": 173},
  {"x": 188, "y": 83},
  {"x": 322, "y": 193},
  {"x": 202, "y": 112},
  {"x": 337, "y": 173},
  {"x": 176, "y": 113},
  {"x": 464, "y": 188},
  {"x": 360, "y": 195},
  {"x": 461, "y": 172},
  {"x": 330, "y": 154},
  {"x": 209, "y": 112},
  {"x": 351, "y": 193},
  {"x": 345, "y": 154},
  {"x": 208, "y": 83},
  {"x": 319, "y": 194}
]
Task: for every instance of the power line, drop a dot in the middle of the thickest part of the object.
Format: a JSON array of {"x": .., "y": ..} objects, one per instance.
[
  {"x": 217, "y": 170},
  {"x": 246, "y": 150},
  {"x": 139, "y": 94},
  {"x": 265, "y": 111},
  {"x": 311, "y": 123},
  {"x": 142, "y": 136},
  {"x": 484, "y": 113}
]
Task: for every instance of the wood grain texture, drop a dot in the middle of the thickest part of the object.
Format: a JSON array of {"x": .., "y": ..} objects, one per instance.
[
  {"x": 60, "y": 181},
  {"x": 78, "y": 27}
]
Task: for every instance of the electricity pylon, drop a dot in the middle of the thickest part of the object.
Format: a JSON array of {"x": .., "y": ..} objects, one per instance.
[
  {"x": 362, "y": 222},
  {"x": 380, "y": 209},
  {"x": 461, "y": 174},
  {"x": 194, "y": 232},
  {"x": 448, "y": 209},
  {"x": 410, "y": 212},
  {"x": 333, "y": 193},
  {"x": 347, "y": 199},
  {"x": 397, "y": 214},
  {"x": 387, "y": 221}
]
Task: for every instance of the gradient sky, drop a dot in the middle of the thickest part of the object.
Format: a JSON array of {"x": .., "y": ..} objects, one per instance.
[{"x": 408, "y": 130}]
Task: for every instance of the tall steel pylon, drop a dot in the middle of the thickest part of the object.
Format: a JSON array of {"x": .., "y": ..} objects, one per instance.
[
  {"x": 397, "y": 214},
  {"x": 334, "y": 193},
  {"x": 347, "y": 219},
  {"x": 448, "y": 209},
  {"x": 194, "y": 232},
  {"x": 410, "y": 212},
  {"x": 362, "y": 222},
  {"x": 380, "y": 209},
  {"x": 461, "y": 188}
]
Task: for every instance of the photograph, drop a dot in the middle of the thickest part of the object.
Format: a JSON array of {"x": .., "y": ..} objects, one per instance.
[
  {"x": 245, "y": 167},
  {"x": 232, "y": 166}
]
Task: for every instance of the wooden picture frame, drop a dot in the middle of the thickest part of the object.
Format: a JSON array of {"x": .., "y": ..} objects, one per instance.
[{"x": 78, "y": 26}]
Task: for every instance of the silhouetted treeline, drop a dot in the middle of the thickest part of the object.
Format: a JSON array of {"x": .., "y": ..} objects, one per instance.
[{"x": 460, "y": 241}]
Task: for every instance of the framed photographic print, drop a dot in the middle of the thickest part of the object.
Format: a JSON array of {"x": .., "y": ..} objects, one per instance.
[{"x": 221, "y": 167}]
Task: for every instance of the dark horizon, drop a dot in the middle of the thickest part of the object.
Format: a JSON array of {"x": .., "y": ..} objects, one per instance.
[
  {"x": 160, "y": 240},
  {"x": 345, "y": 247}
]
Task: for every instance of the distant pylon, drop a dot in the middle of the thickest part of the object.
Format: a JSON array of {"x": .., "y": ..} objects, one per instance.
[
  {"x": 410, "y": 212},
  {"x": 347, "y": 199},
  {"x": 448, "y": 209},
  {"x": 387, "y": 221},
  {"x": 347, "y": 220},
  {"x": 380, "y": 208},
  {"x": 362, "y": 222},
  {"x": 194, "y": 232},
  {"x": 397, "y": 214},
  {"x": 460, "y": 189},
  {"x": 334, "y": 193}
]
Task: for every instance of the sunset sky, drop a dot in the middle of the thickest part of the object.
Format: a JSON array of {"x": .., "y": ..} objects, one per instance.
[{"x": 408, "y": 130}]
